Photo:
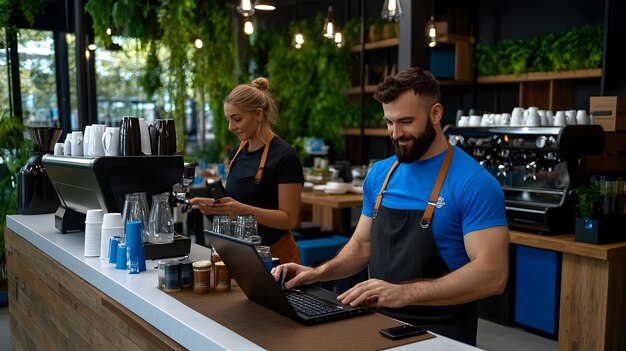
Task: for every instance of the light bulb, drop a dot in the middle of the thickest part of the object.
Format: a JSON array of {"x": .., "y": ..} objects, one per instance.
[
  {"x": 246, "y": 5},
  {"x": 329, "y": 30},
  {"x": 392, "y": 6},
  {"x": 432, "y": 43},
  {"x": 339, "y": 39},
  {"x": 91, "y": 47},
  {"x": 109, "y": 31},
  {"x": 198, "y": 43},
  {"x": 299, "y": 38},
  {"x": 391, "y": 10},
  {"x": 248, "y": 28}
]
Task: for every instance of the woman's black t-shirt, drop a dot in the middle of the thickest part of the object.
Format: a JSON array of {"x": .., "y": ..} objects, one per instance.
[{"x": 281, "y": 167}]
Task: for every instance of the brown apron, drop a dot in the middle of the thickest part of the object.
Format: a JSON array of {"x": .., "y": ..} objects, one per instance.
[{"x": 285, "y": 248}]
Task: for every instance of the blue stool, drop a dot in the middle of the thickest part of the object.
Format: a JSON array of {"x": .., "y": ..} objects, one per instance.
[{"x": 314, "y": 252}]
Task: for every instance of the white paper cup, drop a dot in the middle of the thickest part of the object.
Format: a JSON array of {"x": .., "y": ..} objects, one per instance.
[
  {"x": 112, "y": 220},
  {"x": 94, "y": 216},
  {"x": 106, "y": 234},
  {"x": 92, "y": 241}
]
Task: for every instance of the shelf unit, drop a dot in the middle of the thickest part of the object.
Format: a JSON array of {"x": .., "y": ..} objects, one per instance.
[
  {"x": 370, "y": 46},
  {"x": 452, "y": 59},
  {"x": 546, "y": 90}
]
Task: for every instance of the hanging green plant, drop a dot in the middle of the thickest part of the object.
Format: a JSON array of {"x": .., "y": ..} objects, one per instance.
[
  {"x": 13, "y": 11},
  {"x": 311, "y": 93}
]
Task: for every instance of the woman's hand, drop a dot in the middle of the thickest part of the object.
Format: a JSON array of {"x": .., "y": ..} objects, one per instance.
[{"x": 225, "y": 205}]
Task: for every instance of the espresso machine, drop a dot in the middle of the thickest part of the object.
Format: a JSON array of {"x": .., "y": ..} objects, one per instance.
[
  {"x": 84, "y": 183},
  {"x": 537, "y": 168}
]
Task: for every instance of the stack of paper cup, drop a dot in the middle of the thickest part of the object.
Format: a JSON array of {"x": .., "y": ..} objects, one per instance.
[
  {"x": 93, "y": 231},
  {"x": 111, "y": 226}
]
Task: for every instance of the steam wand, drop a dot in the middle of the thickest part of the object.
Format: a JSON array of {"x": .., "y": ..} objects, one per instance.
[{"x": 182, "y": 196}]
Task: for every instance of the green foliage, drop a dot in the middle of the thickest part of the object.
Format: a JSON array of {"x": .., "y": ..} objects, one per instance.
[
  {"x": 12, "y": 9},
  {"x": 586, "y": 200},
  {"x": 309, "y": 84},
  {"x": 576, "y": 48},
  {"x": 14, "y": 152},
  {"x": 215, "y": 65}
]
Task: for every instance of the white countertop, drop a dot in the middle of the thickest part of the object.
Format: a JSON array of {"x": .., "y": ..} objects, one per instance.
[{"x": 139, "y": 294}]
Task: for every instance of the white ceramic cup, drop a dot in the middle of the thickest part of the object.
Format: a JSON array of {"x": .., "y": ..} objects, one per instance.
[
  {"x": 58, "y": 149},
  {"x": 463, "y": 121},
  {"x": 67, "y": 145},
  {"x": 111, "y": 141},
  {"x": 95, "y": 143},
  {"x": 533, "y": 119},
  {"x": 560, "y": 120},
  {"x": 582, "y": 117},
  {"x": 571, "y": 117},
  {"x": 111, "y": 226},
  {"x": 474, "y": 120},
  {"x": 86, "y": 142},
  {"x": 77, "y": 143},
  {"x": 146, "y": 145}
]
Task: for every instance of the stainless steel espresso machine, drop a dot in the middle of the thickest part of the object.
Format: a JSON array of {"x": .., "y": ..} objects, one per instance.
[
  {"x": 84, "y": 183},
  {"x": 537, "y": 168}
]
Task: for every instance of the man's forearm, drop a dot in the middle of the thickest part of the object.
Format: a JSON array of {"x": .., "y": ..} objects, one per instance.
[{"x": 351, "y": 259}]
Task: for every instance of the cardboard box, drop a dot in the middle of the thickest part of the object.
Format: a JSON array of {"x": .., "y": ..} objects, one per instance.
[{"x": 608, "y": 111}]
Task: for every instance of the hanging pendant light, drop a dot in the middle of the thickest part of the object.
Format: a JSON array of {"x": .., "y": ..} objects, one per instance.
[
  {"x": 264, "y": 5},
  {"x": 329, "y": 25},
  {"x": 338, "y": 39},
  {"x": 392, "y": 10},
  {"x": 431, "y": 32},
  {"x": 245, "y": 8},
  {"x": 248, "y": 28},
  {"x": 298, "y": 40}
]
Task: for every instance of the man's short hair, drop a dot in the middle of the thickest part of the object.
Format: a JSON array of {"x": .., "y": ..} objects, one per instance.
[{"x": 421, "y": 81}]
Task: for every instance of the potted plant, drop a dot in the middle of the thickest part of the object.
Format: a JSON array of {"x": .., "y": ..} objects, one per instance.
[{"x": 596, "y": 217}]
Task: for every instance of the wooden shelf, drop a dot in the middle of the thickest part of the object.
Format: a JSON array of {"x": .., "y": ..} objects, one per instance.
[
  {"x": 450, "y": 38},
  {"x": 380, "y": 132},
  {"x": 381, "y": 44},
  {"x": 541, "y": 76},
  {"x": 357, "y": 90}
]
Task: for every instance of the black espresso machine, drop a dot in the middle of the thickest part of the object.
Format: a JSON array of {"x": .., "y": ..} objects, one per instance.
[
  {"x": 537, "y": 168},
  {"x": 84, "y": 183}
]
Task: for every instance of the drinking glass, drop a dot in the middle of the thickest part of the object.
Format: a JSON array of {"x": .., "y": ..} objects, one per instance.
[
  {"x": 222, "y": 224},
  {"x": 161, "y": 227},
  {"x": 136, "y": 209},
  {"x": 245, "y": 226}
]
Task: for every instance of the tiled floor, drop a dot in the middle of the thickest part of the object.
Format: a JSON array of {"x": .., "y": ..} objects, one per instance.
[{"x": 491, "y": 337}]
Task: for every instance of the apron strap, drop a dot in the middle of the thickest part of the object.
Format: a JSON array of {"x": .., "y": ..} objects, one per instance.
[
  {"x": 432, "y": 202},
  {"x": 266, "y": 148},
  {"x": 379, "y": 198}
]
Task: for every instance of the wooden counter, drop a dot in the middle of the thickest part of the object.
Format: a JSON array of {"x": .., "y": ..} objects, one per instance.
[
  {"x": 59, "y": 300},
  {"x": 592, "y": 313}
]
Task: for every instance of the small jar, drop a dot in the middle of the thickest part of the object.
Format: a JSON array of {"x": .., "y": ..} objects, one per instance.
[
  {"x": 266, "y": 256},
  {"x": 202, "y": 276},
  {"x": 161, "y": 273},
  {"x": 222, "y": 277},
  {"x": 172, "y": 277},
  {"x": 186, "y": 273}
]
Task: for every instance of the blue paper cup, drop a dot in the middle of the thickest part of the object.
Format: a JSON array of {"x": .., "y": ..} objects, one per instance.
[
  {"x": 133, "y": 257},
  {"x": 134, "y": 235},
  {"x": 120, "y": 262},
  {"x": 113, "y": 243}
]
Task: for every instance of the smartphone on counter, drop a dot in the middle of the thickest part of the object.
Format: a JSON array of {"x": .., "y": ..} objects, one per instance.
[
  {"x": 402, "y": 331},
  {"x": 216, "y": 190}
]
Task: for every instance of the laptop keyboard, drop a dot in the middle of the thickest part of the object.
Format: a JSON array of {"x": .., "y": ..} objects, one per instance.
[{"x": 309, "y": 305}]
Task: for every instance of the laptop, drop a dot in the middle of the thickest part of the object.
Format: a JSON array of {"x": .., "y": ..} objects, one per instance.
[{"x": 309, "y": 304}]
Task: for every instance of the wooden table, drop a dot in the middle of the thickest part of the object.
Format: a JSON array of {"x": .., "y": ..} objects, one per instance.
[
  {"x": 592, "y": 313},
  {"x": 332, "y": 211}
]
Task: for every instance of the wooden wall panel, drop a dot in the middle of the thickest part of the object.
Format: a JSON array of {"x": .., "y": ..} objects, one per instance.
[{"x": 53, "y": 308}]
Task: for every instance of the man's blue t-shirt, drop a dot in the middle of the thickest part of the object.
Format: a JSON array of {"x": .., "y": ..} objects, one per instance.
[{"x": 470, "y": 198}]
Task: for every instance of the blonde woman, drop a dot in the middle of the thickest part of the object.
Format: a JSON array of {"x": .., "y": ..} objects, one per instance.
[{"x": 265, "y": 175}]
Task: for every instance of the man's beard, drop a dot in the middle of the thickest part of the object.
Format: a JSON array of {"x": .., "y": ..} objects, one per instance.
[{"x": 420, "y": 145}]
